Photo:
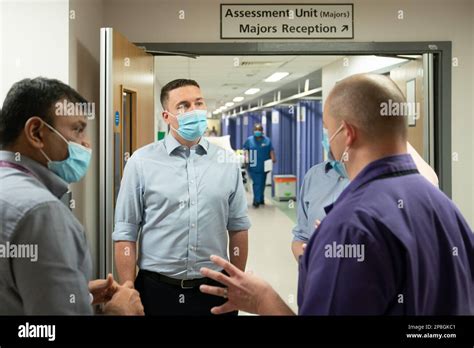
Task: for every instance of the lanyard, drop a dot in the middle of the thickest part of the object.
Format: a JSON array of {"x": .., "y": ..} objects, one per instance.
[{"x": 6, "y": 164}]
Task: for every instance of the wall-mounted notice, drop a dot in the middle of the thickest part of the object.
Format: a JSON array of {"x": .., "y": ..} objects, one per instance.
[{"x": 287, "y": 21}]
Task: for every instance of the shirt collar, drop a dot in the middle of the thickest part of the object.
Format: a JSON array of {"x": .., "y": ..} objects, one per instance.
[
  {"x": 383, "y": 166},
  {"x": 53, "y": 183},
  {"x": 329, "y": 170},
  {"x": 171, "y": 144},
  {"x": 328, "y": 167}
]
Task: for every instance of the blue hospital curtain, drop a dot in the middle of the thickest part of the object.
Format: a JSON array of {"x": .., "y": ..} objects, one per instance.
[
  {"x": 231, "y": 129},
  {"x": 267, "y": 122},
  {"x": 238, "y": 132},
  {"x": 309, "y": 135},
  {"x": 283, "y": 137},
  {"x": 224, "y": 126}
]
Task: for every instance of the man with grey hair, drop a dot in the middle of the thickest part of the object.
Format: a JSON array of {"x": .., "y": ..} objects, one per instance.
[{"x": 391, "y": 244}]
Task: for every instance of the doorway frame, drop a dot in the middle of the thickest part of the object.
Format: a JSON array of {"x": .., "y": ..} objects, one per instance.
[{"x": 442, "y": 57}]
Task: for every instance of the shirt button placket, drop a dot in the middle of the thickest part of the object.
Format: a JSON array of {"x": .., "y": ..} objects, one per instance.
[{"x": 192, "y": 212}]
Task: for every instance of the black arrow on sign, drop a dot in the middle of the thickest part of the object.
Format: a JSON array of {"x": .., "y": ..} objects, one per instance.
[{"x": 345, "y": 28}]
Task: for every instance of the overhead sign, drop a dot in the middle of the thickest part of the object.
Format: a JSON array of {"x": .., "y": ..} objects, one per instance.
[{"x": 287, "y": 21}]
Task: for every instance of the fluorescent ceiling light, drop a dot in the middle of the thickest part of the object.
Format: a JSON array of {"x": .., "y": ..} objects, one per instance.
[
  {"x": 276, "y": 76},
  {"x": 252, "y": 91},
  {"x": 229, "y": 104},
  {"x": 238, "y": 99}
]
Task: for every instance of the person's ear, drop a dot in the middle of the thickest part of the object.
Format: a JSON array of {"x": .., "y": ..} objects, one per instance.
[
  {"x": 351, "y": 133},
  {"x": 165, "y": 116},
  {"x": 34, "y": 131}
]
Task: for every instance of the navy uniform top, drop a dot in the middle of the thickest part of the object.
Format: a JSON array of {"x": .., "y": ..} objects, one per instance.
[
  {"x": 391, "y": 244},
  {"x": 259, "y": 151}
]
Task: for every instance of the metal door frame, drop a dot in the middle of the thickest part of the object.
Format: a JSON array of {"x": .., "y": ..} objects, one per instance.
[{"x": 441, "y": 52}]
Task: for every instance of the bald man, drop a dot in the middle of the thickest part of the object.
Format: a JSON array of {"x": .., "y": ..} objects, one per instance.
[
  {"x": 321, "y": 186},
  {"x": 391, "y": 244}
]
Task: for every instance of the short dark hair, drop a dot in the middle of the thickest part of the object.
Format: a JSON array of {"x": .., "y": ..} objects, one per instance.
[
  {"x": 32, "y": 97},
  {"x": 178, "y": 83}
]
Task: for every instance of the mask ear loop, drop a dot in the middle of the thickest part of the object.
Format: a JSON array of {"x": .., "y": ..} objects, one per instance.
[
  {"x": 336, "y": 133},
  {"x": 176, "y": 117},
  {"x": 57, "y": 133},
  {"x": 44, "y": 154}
]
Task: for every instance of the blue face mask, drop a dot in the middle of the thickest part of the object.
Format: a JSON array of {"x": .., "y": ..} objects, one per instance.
[
  {"x": 192, "y": 124},
  {"x": 338, "y": 166},
  {"x": 257, "y": 134},
  {"x": 75, "y": 166}
]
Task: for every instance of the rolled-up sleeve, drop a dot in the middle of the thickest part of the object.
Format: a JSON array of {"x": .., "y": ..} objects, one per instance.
[
  {"x": 129, "y": 208},
  {"x": 238, "y": 213},
  {"x": 300, "y": 231}
]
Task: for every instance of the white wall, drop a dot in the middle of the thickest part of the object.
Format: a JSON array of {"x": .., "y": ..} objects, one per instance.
[
  {"x": 351, "y": 65},
  {"x": 34, "y": 40},
  {"x": 43, "y": 38},
  {"x": 374, "y": 20}
]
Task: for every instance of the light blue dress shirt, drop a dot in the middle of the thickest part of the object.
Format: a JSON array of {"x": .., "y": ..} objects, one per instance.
[
  {"x": 321, "y": 186},
  {"x": 34, "y": 214},
  {"x": 183, "y": 201}
]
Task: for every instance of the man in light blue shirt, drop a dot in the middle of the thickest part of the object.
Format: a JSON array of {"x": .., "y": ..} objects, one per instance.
[
  {"x": 182, "y": 198},
  {"x": 321, "y": 186},
  {"x": 41, "y": 146}
]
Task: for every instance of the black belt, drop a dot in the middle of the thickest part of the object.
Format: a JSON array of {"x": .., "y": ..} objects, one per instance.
[{"x": 183, "y": 283}]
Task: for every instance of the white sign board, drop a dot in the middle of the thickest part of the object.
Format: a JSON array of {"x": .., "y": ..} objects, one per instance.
[{"x": 287, "y": 21}]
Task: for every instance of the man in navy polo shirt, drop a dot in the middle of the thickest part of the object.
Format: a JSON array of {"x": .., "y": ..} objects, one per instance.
[{"x": 391, "y": 244}]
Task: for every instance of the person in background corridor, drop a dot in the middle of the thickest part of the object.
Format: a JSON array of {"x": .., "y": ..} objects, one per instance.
[{"x": 259, "y": 149}]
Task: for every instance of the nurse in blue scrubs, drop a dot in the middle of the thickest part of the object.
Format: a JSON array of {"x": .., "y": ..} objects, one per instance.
[{"x": 259, "y": 149}]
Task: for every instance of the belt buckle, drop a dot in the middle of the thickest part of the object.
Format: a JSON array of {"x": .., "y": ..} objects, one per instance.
[{"x": 185, "y": 287}]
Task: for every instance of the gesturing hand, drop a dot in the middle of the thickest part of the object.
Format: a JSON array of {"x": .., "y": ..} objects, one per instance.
[
  {"x": 244, "y": 291},
  {"x": 103, "y": 289}
]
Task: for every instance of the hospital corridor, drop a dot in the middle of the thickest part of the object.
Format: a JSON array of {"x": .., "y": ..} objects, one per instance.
[
  {"x": 271, "y": 248},
  {"x": 214, "y": 171}
]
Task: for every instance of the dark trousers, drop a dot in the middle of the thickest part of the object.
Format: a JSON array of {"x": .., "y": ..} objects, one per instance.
[{"x": 160, "y": 298}]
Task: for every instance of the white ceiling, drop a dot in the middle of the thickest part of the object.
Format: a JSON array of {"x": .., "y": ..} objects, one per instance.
[{"x": 221, "y": 80}]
